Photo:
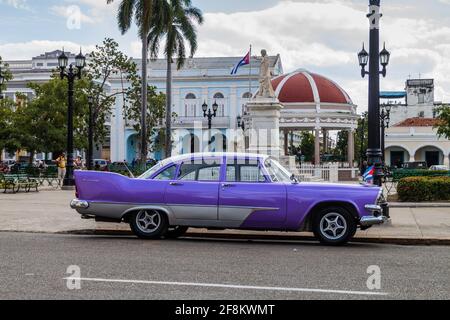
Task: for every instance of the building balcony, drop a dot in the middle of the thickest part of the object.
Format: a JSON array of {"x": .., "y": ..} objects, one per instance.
[{"x": 191, "y": 122}]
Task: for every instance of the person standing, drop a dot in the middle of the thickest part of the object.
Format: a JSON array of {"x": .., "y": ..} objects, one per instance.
[{"x": 61, "y": 163}]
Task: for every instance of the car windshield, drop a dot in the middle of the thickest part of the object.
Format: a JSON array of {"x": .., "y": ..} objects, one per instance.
[
  {"x": 153, "y": 170},
  {"x": 277, "y": 172}
]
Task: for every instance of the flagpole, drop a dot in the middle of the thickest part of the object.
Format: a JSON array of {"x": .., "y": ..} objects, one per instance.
[{"x": 250, "y": 74}]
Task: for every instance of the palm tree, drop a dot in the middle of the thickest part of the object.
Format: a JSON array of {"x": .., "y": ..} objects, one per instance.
[
  {"x": 141, "y": 11},
  {"x": 176, "y": 24}
]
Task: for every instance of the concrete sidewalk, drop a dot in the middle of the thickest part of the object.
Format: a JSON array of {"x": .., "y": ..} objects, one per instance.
[{"x": 49, "y": 212}]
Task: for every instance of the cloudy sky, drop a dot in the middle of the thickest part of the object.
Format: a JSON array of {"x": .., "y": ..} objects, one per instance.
[{"x": 320, "y": 35}]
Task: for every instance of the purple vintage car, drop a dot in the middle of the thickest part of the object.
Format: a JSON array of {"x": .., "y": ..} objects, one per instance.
[{"x": 227, "y": 191}]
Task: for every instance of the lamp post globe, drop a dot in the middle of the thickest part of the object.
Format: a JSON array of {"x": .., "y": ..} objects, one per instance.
[
  {"x": 2, "y": 79},
  {"x": 63, "y": 61},
  {"x": 363, "y": 57},
  {"x": 80, "y": 61},
  {"x": 385, "y": 56}
]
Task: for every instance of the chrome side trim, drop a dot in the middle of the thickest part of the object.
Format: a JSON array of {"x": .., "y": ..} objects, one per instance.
[{"x": 373, "y": 208}]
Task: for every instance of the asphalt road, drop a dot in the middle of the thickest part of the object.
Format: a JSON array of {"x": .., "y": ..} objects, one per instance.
[{"x": 33, "y": 266}]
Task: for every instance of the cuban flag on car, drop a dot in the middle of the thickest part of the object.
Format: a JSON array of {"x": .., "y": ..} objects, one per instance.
[
  {"x": 368, "y": 175},
  {"x": 245, "y": 61}
]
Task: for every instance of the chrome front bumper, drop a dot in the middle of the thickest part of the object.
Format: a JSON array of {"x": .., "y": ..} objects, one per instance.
[{"x": 380, "y": 215}]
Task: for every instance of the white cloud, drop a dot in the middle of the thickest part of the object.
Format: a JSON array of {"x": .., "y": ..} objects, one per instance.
[
  {"x": 325, "y": 36},
  {"x": 26, "y": 50},
  {"x": 18, "y": 4}
]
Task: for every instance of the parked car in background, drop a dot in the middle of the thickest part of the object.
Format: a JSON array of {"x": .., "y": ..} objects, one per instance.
[
  {"x": 417, "y": 165},
  {"x": 227, "y": 191},
  {"x": 439, "y": 168},
  {"x": 100, "y": 164}
]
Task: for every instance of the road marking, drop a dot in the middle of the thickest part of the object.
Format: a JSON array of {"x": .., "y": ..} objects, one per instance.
[{"x": 230, "y": 286}]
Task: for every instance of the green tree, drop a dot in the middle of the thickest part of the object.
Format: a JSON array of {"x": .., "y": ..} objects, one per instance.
[
  {"x": 361, "y": 135},
  {"x": 42, "y": 123},
  {"x": 154, "y": 114},
  {"x": 141, "y": 11},
  {"x": 307, "y": 145},
  {"x": 443, "y": 126},
  {"x": 6, "y": 74},
  {"x": 175, "y": 23},
  {"x": 341, "y": 145},
  {"x": 105, "y": 62}
]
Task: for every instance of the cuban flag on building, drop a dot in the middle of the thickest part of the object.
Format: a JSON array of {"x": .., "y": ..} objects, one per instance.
[
  {"x": 368, "y": 175},
  {"x": 245, "y": 61}
]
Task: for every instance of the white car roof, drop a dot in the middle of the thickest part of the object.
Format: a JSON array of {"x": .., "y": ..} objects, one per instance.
[{"x": 216, "y": 154}]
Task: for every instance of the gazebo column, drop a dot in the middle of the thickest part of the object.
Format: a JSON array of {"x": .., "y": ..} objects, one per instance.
[
  {"x": 317, "y": 148},
  {"x": 286, "y": 142},
  {"x": 325, "y": 141},
  {"x": 351, "y": 147}
]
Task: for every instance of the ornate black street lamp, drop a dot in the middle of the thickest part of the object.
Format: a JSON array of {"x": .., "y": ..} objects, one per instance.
[
  {"x": 374, "y": 59},
  {"x": 385, "y": 119},
  {"x": 74, "y": 72},
  {"x": 207, "y": 113}
]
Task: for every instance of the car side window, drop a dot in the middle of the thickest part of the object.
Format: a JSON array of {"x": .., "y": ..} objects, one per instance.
[
  {"x": 167, "y": 174},
  {"x": 245, "y": 173},
  {"x": 199, "y": 172}
]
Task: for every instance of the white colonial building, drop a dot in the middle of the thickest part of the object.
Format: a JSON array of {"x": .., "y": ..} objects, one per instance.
[
  {"x": 412, "y": 136},
  {"x": 309, "y": 102}
]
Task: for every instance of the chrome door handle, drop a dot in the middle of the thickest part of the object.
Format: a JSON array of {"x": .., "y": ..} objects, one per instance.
[
  {"x": 226, "y": 185},
  {"x": 175, "y": 184}
]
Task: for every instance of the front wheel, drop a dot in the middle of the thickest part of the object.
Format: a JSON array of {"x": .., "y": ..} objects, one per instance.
[
  {"x": 149, "y": 224},
  {"x": 334, "y": 226}
]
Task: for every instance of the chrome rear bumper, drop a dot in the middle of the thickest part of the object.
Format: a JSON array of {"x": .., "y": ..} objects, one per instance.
[{"x": 79, "y": 204}]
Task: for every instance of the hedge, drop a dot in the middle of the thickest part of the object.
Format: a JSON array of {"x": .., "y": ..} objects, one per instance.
[
  {"x": 404, "y": 173},
  {"x": 418, "y": 189}
]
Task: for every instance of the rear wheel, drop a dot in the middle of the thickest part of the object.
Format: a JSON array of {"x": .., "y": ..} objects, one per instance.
[
  {"x": 334, "y": 226},
  {"x": 175, "y": 232},
  {"x": 149, "y": 224}
]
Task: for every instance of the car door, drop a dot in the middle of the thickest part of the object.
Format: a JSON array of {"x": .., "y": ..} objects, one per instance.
[
  {"x": 193, "y": 195},
  {"x": 247, "y": 196}
]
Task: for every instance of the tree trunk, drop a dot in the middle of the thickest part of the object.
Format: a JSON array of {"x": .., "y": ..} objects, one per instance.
[
  {"x": 169, "y": 109},
  {"x": 144, "y": 145}
]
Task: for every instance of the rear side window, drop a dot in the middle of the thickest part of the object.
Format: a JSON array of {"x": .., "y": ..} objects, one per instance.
[
  {"x": 245, "y": 173},
  {"x": 193, "y": 171}
]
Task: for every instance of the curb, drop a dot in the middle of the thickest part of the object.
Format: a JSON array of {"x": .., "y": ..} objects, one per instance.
[
  {"x": 262, "y": 237},
  {"x": 418, "y": 205}
]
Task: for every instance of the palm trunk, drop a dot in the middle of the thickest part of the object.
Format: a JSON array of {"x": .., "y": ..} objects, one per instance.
[
  {"x": 144, "y": 104},
  {"x": 169, "y": 109}
]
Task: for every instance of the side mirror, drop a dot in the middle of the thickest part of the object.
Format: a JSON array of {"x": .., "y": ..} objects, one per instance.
[{"x": 294, "y": 179}]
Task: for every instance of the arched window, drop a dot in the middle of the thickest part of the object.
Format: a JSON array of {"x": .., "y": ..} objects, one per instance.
[
  {"x": 190, "y": 105},
  {"x": 247, "y": 95},
  {"x": 220, "y": 99}
]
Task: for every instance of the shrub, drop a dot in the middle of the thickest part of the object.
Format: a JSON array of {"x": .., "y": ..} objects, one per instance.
[
  {"x": 418, "y": 189},
  {"x": 404, "y": 173}
]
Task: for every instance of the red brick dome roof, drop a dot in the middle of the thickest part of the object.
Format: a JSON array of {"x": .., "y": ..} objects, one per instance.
[{"x": 302, "y": 86}]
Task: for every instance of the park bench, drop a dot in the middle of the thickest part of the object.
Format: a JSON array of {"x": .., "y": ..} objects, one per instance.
[{"x": 15, "y": 182}]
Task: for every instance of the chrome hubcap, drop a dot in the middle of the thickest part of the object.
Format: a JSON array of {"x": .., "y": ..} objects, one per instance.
[
  {"x": 333, "y": 226},
  {"x": 148, "y": 221}
]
